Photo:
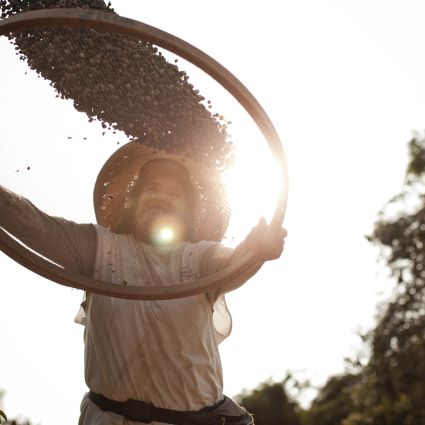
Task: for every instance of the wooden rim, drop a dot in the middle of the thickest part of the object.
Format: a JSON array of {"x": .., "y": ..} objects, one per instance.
[{"x": 231, "y": 276}]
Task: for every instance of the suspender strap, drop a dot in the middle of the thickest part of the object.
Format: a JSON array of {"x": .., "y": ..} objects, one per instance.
[{"x": 140, "y": 411}]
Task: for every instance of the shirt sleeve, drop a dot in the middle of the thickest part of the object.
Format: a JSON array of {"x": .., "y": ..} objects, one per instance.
[
  {"x": 70, "y": 245},
  {"x": 217, "y": 257}
]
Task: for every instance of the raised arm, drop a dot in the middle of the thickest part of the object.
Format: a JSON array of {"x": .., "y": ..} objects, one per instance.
[
  {"x": 64, "y": 242},
  {"x": 265, "y": 242}
]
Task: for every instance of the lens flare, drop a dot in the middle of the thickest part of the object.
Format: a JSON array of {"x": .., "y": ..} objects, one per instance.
[{"x": 164, "y": 236}]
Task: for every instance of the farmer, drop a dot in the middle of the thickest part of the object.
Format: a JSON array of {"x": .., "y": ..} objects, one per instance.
[{"x": 159, "y": 223}]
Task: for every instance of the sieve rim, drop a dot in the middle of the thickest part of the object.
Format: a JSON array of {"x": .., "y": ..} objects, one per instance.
[{"x": 233, "y": 275}]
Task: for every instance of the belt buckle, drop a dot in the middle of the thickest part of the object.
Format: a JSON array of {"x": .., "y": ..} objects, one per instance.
[{"x": 139, "y": 411}]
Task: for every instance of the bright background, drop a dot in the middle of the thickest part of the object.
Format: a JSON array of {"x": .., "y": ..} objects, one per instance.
[{"x": 343, "y": 84}]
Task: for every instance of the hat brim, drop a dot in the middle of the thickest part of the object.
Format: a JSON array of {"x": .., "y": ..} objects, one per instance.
[{"x": 119, "y": 174}]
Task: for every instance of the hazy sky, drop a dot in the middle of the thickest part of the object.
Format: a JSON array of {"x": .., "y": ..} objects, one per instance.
[{"x": 343, "y": 84}]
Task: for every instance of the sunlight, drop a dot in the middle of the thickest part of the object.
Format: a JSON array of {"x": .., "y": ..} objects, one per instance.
[{"x": 253, "y": 186}]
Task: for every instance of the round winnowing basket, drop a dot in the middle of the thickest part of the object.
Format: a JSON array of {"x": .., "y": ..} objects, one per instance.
[{"x": 99, "y": 20}]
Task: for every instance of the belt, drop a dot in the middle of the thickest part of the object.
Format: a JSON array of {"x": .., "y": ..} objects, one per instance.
[{"x": 140, "y": 411}]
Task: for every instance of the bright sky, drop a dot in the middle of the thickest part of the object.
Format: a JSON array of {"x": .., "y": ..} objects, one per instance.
[{"x": 343, "y": 84}]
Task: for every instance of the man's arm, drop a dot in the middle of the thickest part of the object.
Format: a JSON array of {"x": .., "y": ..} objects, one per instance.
[
  {"x": 64, "y": 242},
  {"x": 264, "y": 242}
]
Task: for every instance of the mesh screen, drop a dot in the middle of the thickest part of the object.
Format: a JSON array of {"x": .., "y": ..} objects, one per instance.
[{"x": 82, "y": 113}]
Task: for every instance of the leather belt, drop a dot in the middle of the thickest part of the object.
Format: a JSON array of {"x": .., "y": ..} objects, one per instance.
[{"x": 140, "y": 411}]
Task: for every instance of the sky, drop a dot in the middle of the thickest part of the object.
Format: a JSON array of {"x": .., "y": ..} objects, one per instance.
[{"x": 343, "y": 84}]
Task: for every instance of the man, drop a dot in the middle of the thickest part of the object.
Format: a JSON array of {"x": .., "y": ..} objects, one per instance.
[{"x": 148, "y": 361}]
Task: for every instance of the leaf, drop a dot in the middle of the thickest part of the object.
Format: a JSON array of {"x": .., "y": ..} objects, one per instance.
[{"x": 2, "y": 415}]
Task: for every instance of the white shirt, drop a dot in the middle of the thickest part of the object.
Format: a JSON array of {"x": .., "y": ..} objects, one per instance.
[{"x": 163, "y": 352}]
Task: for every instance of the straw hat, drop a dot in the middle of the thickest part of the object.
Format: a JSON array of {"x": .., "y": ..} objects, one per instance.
[{"x": 115, "y": 191}]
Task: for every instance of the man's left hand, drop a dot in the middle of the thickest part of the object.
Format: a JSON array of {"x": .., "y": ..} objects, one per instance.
[{"x": 266, "y": 241}]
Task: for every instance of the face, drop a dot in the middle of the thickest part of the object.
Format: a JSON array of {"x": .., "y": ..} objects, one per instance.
[{"x": 163, "y": 212}]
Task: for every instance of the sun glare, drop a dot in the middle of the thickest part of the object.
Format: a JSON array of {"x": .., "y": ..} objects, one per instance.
[{"x": 253, "y": 186}]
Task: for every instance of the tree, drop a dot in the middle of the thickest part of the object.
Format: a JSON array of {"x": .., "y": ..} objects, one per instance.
[
  {"x": 389, "y": 387},
  {"x": 392, "y": 388},
  {"x": 334, "y": 401},
  {"x": 18, "y": 422},
  {"x": 270, "y": 405}
]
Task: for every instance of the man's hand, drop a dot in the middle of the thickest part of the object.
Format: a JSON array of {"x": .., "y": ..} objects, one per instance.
[{"x": 266, "y": 241}]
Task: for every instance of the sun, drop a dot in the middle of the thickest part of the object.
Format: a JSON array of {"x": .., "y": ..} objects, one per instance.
[{"x": 253, "y": 186}]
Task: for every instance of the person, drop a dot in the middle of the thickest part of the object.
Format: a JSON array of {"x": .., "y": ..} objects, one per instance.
[{"x": 148, "y": 361}]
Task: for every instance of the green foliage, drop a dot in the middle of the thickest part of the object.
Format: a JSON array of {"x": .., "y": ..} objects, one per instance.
[
  {"x": 392, "y": 390},
  {"x": 389, "y": 388},
  {"x": 18, "y": 422},
  {"x": 270, "y": 405},
  {"x": 416, "y": 165},
  {"x": 333, "y": 404}
]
